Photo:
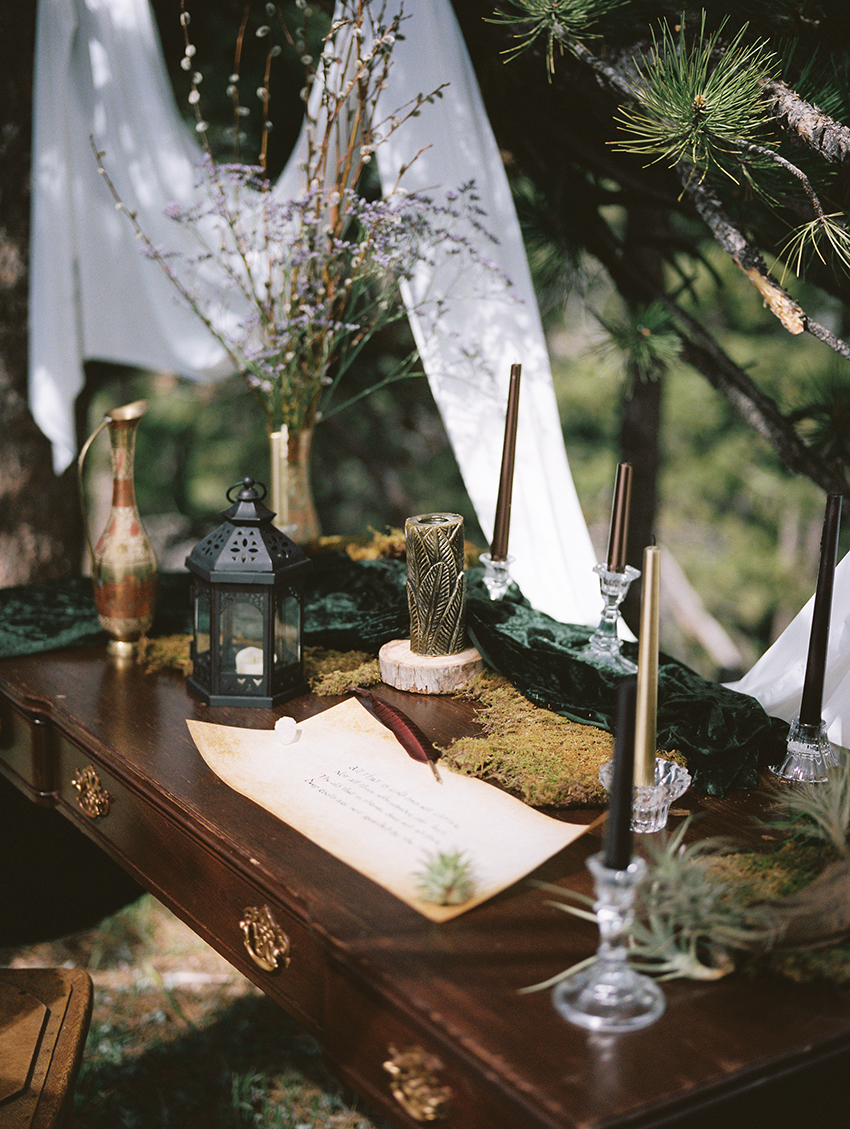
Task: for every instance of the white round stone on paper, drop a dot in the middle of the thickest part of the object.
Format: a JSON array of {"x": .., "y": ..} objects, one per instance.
[{"x": 286, "y": 730}]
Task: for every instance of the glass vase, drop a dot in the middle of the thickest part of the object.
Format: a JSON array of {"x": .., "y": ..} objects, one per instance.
[{"x": 291, "y": 490}]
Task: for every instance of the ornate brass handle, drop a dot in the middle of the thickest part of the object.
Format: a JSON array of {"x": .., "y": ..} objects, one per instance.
[
  {"x": 267, "y": 944},
  {"x": 415, "y": 1085},
  {"x": 92, "y": 797}
]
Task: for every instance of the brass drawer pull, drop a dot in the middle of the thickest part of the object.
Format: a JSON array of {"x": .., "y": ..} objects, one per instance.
[
  {"x": 92, "y": 797},
  {"x": 415, "y": 1085},
  {"x": 267, "y": 944}
]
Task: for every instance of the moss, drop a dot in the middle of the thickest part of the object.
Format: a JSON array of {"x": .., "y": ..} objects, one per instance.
[
  {"x": 775, "y": 875},
  {"x": 391, "y": 544},
  {"x": 335, "y": 672},
  {"x": 370, "y": 546},
  {"x": 805, "y": 966},
  {"x": 168, "y": 652},
  {"x": 539, "y": 756}
]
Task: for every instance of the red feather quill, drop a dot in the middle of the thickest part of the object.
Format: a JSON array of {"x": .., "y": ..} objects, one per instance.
[{"x": 408, "y": 733}]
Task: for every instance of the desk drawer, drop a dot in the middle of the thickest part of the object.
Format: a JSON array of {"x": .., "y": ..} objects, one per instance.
[
  {"x": 226, "y": 909},
  {"x": 406, "y": 1069},
  {"x": 25, "y": 742}
]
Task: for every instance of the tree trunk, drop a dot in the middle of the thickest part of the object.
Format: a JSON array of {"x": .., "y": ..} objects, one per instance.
[
  {"x": 640, "y": 428},
  {"x": 40, "y": 520}
]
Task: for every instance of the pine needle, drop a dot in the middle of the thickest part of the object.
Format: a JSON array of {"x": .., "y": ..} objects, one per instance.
[{"x": 699, "y": 101}]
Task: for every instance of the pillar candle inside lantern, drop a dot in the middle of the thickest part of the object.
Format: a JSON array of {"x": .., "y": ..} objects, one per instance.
[{"x": 249, "y": 661}]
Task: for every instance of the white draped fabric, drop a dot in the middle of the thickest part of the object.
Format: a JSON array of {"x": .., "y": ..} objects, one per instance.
[
  {"x": 776, "y": 680},
  {"x": 100, "y": 74}
]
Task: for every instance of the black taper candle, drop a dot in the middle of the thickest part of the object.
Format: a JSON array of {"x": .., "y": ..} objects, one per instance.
[
  {"x": 618, "y": 829},
  {"x": 811, "y": 704}
]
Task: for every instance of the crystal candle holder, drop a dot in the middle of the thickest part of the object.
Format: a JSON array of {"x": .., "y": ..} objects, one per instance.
[
  {"x": 497, "y": 576},
  {"x": 608, "y": 994},
  {"x": 809, "y": 754},
  {"x": 605, "y": 645},
  {"x": 651, "y": 802}
]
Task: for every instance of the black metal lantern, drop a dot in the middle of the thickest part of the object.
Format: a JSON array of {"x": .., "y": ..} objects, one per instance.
[{"x": 247, "y": 596}]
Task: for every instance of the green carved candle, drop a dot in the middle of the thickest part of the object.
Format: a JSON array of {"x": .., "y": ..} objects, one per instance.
[{"x": 436, "y": 584}]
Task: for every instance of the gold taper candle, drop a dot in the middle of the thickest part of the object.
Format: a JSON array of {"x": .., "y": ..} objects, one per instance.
[
  {"x": 501, "y": 526},
  {"x": 618, "y": 535},
  {"x": 646, "y": 709}
]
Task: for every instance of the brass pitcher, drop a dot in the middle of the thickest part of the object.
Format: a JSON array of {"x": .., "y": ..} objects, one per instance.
[{"x": 124, "y": 567}]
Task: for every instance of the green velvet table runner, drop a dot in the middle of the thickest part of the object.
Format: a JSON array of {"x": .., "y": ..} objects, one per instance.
[{"x": 359, "y": 605}]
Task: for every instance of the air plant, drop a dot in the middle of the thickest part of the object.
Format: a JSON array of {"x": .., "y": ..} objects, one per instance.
[
  {"x": 817, "y": 811},
  {"x": 447, "y": 878},
  {"x": 689, "y": 921}
]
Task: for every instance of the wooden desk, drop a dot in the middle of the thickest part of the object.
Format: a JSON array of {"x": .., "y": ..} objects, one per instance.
[{"x": 369, "y": 976}]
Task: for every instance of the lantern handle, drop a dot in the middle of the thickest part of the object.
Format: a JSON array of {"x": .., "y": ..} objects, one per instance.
[{"x": 246, "y": 484}]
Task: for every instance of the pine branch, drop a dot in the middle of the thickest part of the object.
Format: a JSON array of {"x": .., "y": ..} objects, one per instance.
[
  {"x": 756, "y": 408},
  {"x": 748, "y": 258},
  {"x": 612, "y": 75},
  {"x": 745, "y": 255},
  {"x": 807, "y": 123},
  {"x": 618, "y": 77},
  {"x": 699, "y": 349},
  {"x": 617, "y": 74}
]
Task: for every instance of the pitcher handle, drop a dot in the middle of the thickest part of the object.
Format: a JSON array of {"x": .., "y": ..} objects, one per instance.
[{"x": 103, "y": 423}]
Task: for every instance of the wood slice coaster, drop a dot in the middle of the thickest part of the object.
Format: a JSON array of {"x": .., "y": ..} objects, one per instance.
[{"x": 427, "y": 674}]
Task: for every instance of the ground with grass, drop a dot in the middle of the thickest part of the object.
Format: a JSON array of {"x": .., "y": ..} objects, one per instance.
[{"x": 180, "y": 1038}]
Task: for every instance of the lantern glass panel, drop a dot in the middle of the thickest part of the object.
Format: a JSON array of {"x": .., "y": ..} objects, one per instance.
[
  {"x": 287, "y": 631},
  {"x": 241, "y": 643}
]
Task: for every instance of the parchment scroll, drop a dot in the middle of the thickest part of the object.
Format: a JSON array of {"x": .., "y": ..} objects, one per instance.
[{"x": 347, "y": 784}]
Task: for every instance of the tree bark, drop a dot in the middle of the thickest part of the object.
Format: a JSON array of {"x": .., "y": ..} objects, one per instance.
[
  {"x": 640, "y": 429},
  {"x": 40, "y": 519}
]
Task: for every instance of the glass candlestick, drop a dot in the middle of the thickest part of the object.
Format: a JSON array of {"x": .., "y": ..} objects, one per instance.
[
  {"x": 605, "y": 645},
  {"x": 651, "y": 802},
  {"x": 497, "y": 576},
  {"x": 608, "y": 994},
  {"x": 809, "y": 754}
]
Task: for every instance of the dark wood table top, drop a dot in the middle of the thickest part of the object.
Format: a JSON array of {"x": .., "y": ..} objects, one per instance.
[{"x": 738, "y": 1047}]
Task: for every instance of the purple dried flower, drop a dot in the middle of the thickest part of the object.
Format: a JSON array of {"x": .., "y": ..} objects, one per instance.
[{"x": 292, "y": 288}]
